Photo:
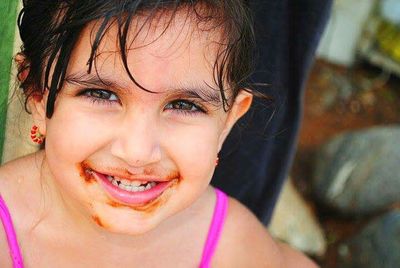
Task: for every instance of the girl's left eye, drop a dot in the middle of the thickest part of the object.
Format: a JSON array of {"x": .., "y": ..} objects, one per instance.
[
  {"x": 100, "y": 96},
  {"x": 184, "y": 106}
]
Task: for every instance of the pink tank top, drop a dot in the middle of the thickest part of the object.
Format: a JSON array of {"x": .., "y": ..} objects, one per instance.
[
  {"x": 15, "y": 252},
  {"x": 214, "y": 231}
]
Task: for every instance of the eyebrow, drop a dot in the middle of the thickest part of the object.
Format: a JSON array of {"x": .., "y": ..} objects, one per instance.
[{"x": 202, "y": 91}]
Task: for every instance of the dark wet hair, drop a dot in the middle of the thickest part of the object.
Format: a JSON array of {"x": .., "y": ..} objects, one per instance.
[{"x": 49, "y": 30}]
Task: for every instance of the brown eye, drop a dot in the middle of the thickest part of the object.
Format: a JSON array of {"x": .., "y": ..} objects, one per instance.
[
  {"x": 184, "y": 106},
  {"x": 101, "y": 94}
]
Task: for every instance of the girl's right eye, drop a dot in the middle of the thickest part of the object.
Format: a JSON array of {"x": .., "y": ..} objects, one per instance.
[{"x": 101, "y": 96}]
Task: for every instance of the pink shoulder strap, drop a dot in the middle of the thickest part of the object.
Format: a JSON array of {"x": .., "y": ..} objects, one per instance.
[
  {"x": 216, "y": 226},
  {"x": 209, "y": 248},
  {"x": 11, "y": 236}
]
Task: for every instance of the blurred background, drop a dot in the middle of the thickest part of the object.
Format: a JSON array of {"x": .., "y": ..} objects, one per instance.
[{"x": 341, "y": 203}]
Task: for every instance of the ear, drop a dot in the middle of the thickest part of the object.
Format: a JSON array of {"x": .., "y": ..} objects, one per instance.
[
  {"x": 37, "y": 106},
  {"x": 22, "y": 65},
  {"x": 240, "y": 106}
]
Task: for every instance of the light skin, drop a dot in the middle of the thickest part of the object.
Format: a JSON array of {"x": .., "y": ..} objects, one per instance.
[{"x": 171, "y": 136}]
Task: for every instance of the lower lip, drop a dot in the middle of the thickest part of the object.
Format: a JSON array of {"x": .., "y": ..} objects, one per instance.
[{"x": 133, "y": 198}]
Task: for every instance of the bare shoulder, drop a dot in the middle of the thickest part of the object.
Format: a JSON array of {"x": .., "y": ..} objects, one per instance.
[
  {"x": 9, "y": 174},
  {"x": 245, "y": 242},
  {"x": 5, "y": 260},
  {"x": 16, "y": 177},
  {"x": 14, "y": 172},
  {"x": 8, "y": 180},
  {"x": 19, "y": 184}
]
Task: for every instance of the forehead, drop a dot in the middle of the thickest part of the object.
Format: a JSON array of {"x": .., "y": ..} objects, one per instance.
[{"x": 161, "y": 51}]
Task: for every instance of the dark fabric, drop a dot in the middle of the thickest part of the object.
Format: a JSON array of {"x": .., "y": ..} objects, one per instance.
[{"x": 257, "y": 155}]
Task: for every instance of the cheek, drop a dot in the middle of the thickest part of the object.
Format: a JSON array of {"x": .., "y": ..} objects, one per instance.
[
  {"x": 74, "y": 136},
  {"x": 194, "y": 150}
]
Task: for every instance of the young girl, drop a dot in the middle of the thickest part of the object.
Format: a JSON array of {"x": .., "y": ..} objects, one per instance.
[{"x": 133, "y": 100}]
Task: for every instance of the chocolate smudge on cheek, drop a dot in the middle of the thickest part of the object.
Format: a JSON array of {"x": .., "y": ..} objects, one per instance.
[
  {"x": 84, "y": 171},
  {"x": 174, "y": 176}
]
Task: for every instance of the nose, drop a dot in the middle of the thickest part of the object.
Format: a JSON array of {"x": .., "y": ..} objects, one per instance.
[{"x": 137, "y": 142}]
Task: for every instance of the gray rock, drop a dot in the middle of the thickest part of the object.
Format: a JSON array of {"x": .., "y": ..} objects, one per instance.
[
  {"x": 358, "y": 172},
  {"x": 376, "y": 246}
]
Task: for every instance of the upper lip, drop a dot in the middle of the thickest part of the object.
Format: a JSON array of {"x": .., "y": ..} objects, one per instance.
[{"x": 136, "y": 177}]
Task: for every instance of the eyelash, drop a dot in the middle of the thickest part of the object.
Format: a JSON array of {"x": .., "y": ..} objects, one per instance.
[
  {"x": 88, "y": 93},
  {"x": 191, "y": 107}
]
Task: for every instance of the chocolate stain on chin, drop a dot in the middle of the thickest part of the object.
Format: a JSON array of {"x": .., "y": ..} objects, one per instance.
[
  {"x": 151, "y": 206},
  {"x": 84, "y": 171},
  {"x": 97, "y": 220}
]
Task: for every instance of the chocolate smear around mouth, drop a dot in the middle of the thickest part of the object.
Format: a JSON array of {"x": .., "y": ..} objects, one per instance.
[
  {"x": 152, "y": 205},
  {"x": 85, "y": 172}
]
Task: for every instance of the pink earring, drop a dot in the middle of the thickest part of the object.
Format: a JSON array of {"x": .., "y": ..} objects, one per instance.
[
  {"x": 216, "y": 161},
  {"x": 36, "y": 136}
]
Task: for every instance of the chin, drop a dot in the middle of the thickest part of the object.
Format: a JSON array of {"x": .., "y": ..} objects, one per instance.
[
  {"x": 122, "y": 219},
  {"x": 132, "y": 229}
]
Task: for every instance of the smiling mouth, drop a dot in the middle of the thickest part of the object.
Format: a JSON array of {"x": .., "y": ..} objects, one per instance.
[
  {"x": 134, "y": 193},
  {"x": 131, "y": 186}
]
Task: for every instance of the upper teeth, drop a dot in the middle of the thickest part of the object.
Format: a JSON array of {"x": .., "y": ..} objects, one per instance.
[{"x": 133, "y": 186}]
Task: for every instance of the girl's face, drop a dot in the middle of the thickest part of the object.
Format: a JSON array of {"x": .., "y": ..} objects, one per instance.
[{"x": 126, "y": 158}]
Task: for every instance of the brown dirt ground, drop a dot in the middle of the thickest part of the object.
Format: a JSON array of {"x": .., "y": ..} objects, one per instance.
[{"x": 338, "y": 99}]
